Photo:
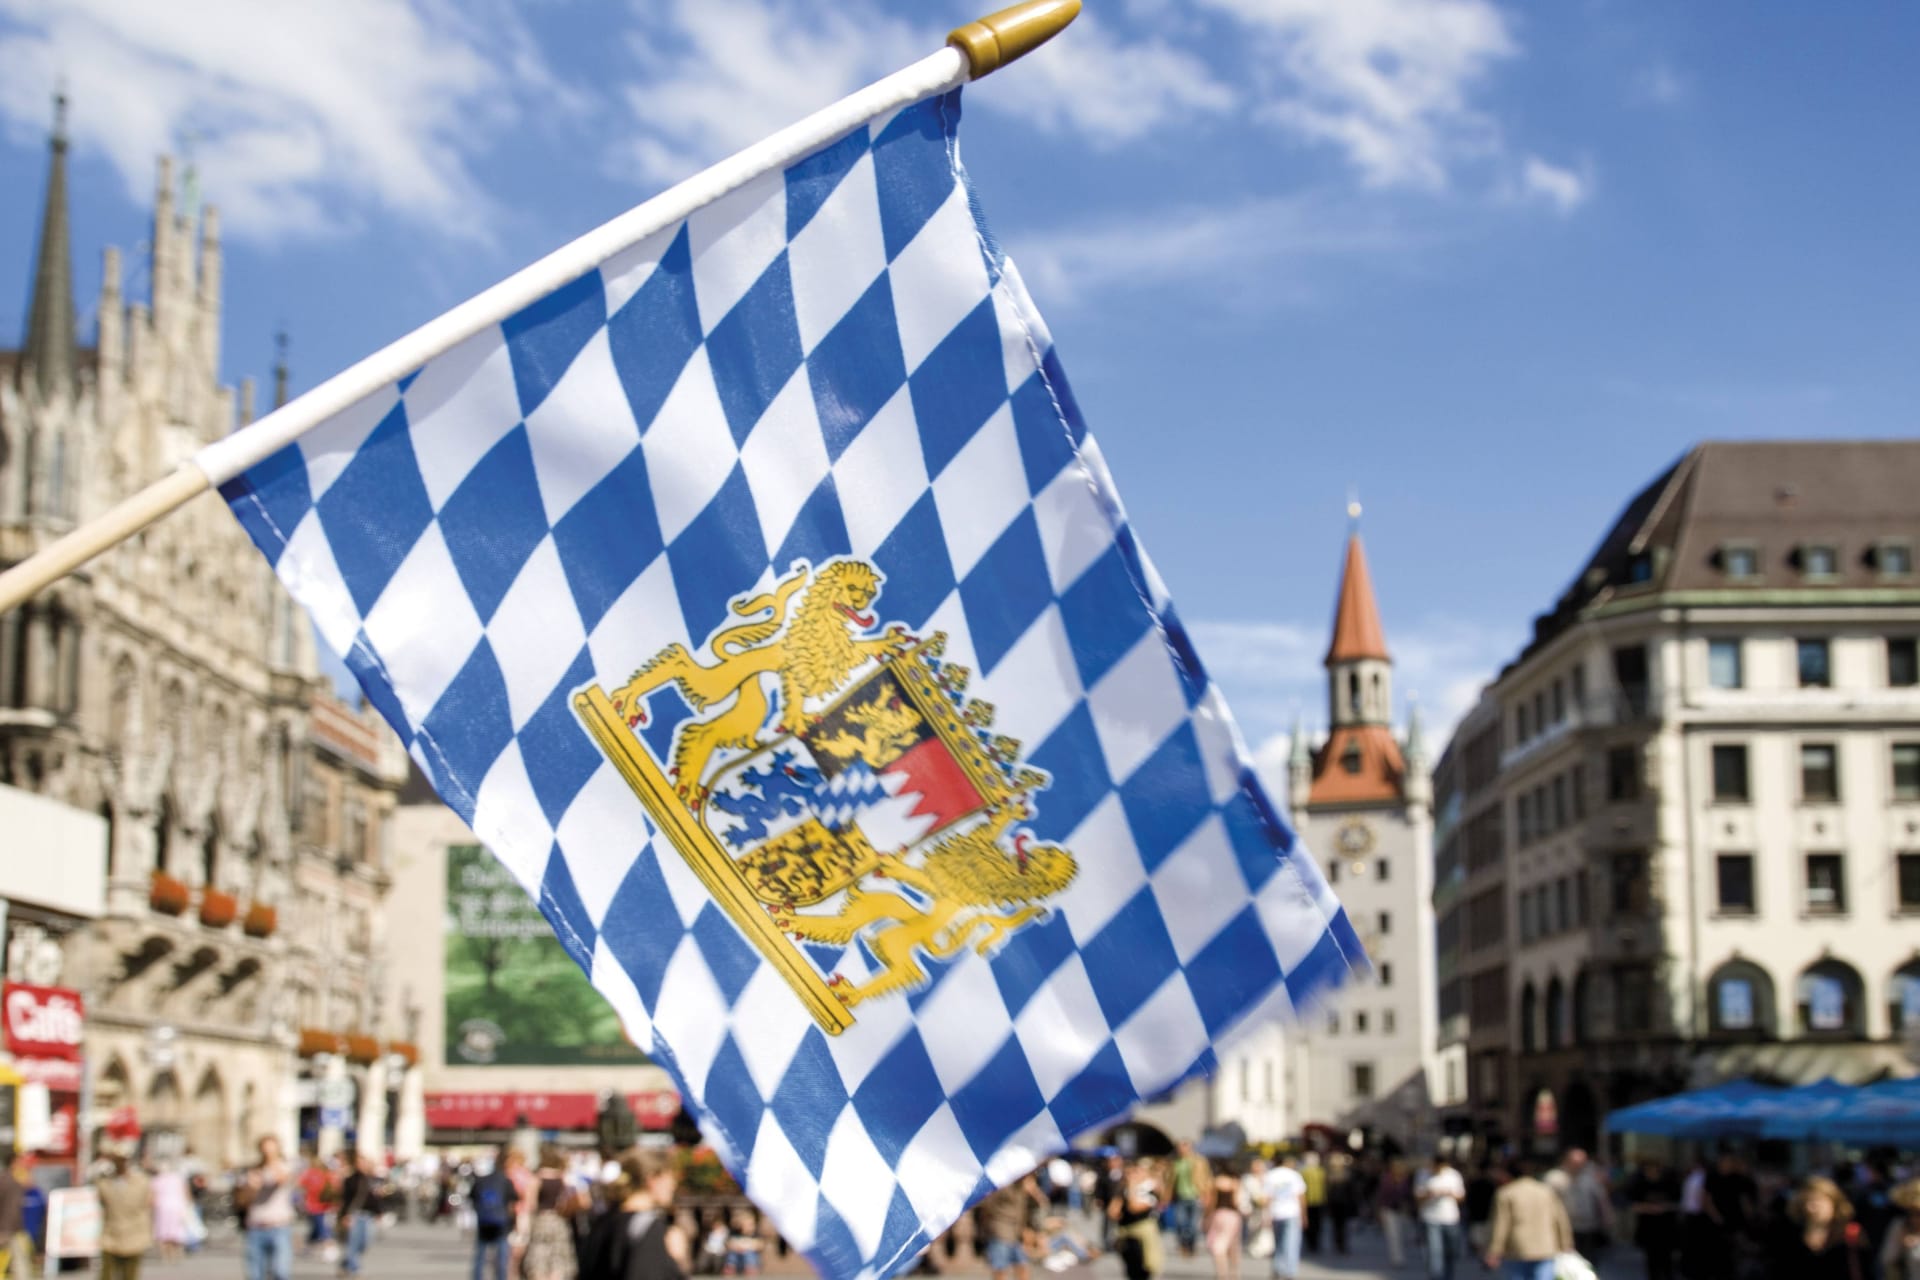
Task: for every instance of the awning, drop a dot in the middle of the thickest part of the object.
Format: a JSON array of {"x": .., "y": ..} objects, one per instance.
[{"x": 576, "y": 1111}]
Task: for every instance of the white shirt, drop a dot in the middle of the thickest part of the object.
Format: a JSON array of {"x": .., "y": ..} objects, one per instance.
[
  {"x": 1285, "y": 1187},
  {"x": 1060, "y": 1173},
  {"x": 1443, "y": 1188},
  {"x": 1693, "y": 1194}
]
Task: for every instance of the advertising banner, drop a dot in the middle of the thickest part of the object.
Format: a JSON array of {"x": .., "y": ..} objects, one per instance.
[
  {"x": 513, "y": 995},
  {"x": 73, "y": 1223},
  {"x": 42, "y": 1022}
]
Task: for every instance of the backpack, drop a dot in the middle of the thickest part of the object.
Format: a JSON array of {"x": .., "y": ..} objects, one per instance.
[{"x": 490, "y": 1202}]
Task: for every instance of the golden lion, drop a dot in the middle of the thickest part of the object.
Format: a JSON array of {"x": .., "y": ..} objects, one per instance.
[
  {"x": 813, "y": 653},
  {"x": 979, "y": 894}
]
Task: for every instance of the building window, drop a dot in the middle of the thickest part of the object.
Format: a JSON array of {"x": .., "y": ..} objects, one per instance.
[
  {"x": 1907, "y": 872},
  {"x": 1562, "y": 903},
  {"x": 1523, "y": 818},
  {"x": 1577, "y": 785},
  {"x": 1333, "y": 871},
  {"x": 1830, "y": 1000},
  {"x": 1360, "y": 1023},
  {"x": 1819, "y": 561},
  {"x": 1386, "y": 1021},
  {"x": 1520, "y": 733},
  {"x": 1526, "y": 916},
  {"x": 1529, "y": 1019},
  {"x": 1386, "y": 923},
  {"x": 1723, "y": 664},
  {"x": 1360, "y": 1079},
  {"x": 1333, "y": 1024},
  {"x": 1559, "y": 696},
  {"x": 1386, "y": 975},
  {"x": 1632, "y": 1000},
  {"x": 1559, "y": 801},
  {"x": 1906, "y": 771},
  {"x": 1627, "y": 876},
  {"x": 1730, "y": 773},
  {"x": 1906, "y": 998},
  {"x": 1819, "y": 778},
  {"x": 1826, "y": 884},
  {"x": 1623, "y": 773},
  {"x": 1816, "y": 664},
  {"x": 1740, "y": 998},
  {"x": 1556, "y": 1014},
  {"x": 1903, "y": 662},
  {"x": 1735, "y": 878},
  {"x": 1640, "y": 567},
  {"x": 1380, "y": 869},
  {"x": 1350, "y": 758},
  {"x": 1580, "y": 898},
  {"x": 1894, "y": 559},
  {"x": 1740, "y": 562}
]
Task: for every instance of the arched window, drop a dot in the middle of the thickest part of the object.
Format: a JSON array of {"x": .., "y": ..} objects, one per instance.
[
  {"x": 1529, "y": 1018},
  {"x": 1379, "y": 698},
  {"x": 1904, "y": 999},
  {"x": 1350, "y": 756},
  {"x": 1353, "y": 692},
  {"x": 1582, "y": 1011},
  {"x": 1740, "y": 1000},
  {"x": 210, "y": 854},
  {"x": 1556, "y": 1014},
  {"x": 1832, "y": 1001},
  {"x": 163, "y": 838}
]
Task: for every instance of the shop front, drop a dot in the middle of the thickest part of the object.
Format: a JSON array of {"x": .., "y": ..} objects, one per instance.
[
  {"x": 44, "y": 1028},
  {"x": 569, "y": 1119}
]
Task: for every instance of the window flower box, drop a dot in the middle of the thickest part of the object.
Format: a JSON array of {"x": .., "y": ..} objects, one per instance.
[
  {"x": 217, "y": 909},
  {"x": 168, "y": 895},
  {"x": 261, "y": 920}
]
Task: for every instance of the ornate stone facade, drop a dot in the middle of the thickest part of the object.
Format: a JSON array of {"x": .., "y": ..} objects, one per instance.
[{"x": 172, "y": 688}]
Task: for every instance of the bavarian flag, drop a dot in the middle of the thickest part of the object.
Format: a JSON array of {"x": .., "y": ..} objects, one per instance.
[{"x": 761, "y": 600}]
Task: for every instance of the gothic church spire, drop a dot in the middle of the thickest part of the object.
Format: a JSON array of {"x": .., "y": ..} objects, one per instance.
[{"x": 49, "y": 353}]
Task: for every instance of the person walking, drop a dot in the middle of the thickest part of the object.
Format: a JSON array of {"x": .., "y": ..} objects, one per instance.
[
  {"x": 126, "y": 1220},
  {"x": 1391, "y": 1200},
  {"x": 1189, "y": 1175},
  {"x": 1900, "y": 1250},
  {"x": 172, "y": 1204},
  {"x": 1314, "y": 1173},
  {"x": 1819, "y": 1239},
  {"x": 265, "y": 1199},
  {"x": 1224, "y": 1229},
  {"x": 495, "y": 1209},
  {"x": 1343, "y": 1197},
  {"x": 1530, "y": 1228},
  {"x": 1584, "y": 1196},
  {"x": 550, "y": 1244},
  {"x": 1136, "y": 1218},
  {"x": 1003, "y": 1219},
  {"x": 1287, "y": 1210},
  {"x": 359, "y": 1196},
  {"x": 1653, "y": 1194},
  {"x": 317, "y": 1195},
  {"x": 1439, "y": 1194}
]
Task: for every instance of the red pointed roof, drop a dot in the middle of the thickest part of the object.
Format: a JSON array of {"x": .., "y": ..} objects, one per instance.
[
  {"x": 1356, "y": 616},
  {"x": 1360, "y": 764}
]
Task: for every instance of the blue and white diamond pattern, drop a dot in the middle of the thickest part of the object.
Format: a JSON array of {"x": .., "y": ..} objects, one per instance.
[{"x": 833, "y": 360}]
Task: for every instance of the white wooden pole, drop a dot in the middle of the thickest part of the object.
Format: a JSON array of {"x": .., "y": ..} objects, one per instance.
[{"x": 972, "y": 52}]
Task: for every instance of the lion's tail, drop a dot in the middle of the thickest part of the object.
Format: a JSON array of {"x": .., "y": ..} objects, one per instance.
[{"x": 737, "y": 640}]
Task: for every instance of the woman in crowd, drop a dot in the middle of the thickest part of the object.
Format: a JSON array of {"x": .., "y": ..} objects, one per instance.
[
  {"x": 1224, "y": 1226},
  {"x": 550, "y": 1249},
  {"x": 172, "y": 1203},
  {"x": 1391, "y": 1200},
  {"x": 1819, "y": 1240},
  {"x": 1653, "y": 1193},
  {"x": 637, "y": 1238},
  {"x": 1136, "y": 1216}
]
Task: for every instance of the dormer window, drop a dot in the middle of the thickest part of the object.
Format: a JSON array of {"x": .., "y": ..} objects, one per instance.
[
  {"x": 1819, "y": 561},
  {"x": 1740, "y": 562},
  {"x": 1640, "y": 567},
  {"x": 1350, "y": 758},
  {"x": 1894, "y": 559}
]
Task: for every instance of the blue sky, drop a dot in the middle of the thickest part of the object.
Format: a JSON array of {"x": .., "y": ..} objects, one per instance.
[{"x": 1493, "y": 265}]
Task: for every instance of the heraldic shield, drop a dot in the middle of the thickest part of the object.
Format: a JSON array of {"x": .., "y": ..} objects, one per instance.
[{"x": 835, "y": 790}]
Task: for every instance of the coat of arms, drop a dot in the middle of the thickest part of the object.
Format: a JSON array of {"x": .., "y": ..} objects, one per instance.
[{"x": 835, "y": 790}]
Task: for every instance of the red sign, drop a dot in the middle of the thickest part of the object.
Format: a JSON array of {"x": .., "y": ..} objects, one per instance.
[
  {"x": 570, "y": 1111},
  {"x": 42, "y": 1022}
]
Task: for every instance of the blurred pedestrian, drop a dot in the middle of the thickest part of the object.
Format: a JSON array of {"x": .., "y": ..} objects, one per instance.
[
  {"x": 359, "y": 1202},
  {"x": 317, "y": 1194},
  {"x": 1003, "y": 1219},
  {"x": 1653, "y": 1194},
  {"x": 1439, "y": 1193},
  {"x": 265, "y": 1198},
  {"x": 1190, "y": 1178},
  {"x": 495, "y": 1209},
  {"x": 126, "y": 1219},
  {"x": 1391, "y": 1198},
  {"x": 1343, "y": 1197},
  {"x": 13, "y": 1212},
  {"x": 1224, "y": 1226},
  {"x": 1136, "y": 1216},
  {"x": 637, "y": 1238},
  {"x": 1287, "y": 1210},
  {"x": 1819, "y": 1239},
  {"x": 1900, "y": 1251},
  {"x": 1530, "y": 1228},
  {"x": 1314, "y": 1173},
  {"x": 550, "y": 1240},
  {"x": 172, "y": 1207},
  {"x": 1583, "y": 1194}
]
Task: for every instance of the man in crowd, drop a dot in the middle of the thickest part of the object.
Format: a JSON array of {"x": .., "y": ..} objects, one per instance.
[
  {"x": 496, "y": 1204},
  {"x": 1438, "y": 1195},
  {"x": 1530, "y": 1228},
  {"x": 1191, "y": 1182},
  {"x": 1287, "y": 1209},
  {"x": 1584, "y": 1196}
]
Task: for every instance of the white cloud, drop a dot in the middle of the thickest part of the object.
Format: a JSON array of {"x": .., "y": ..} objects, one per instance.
[
  {"x": 1387, "y": 81},
  {"x": 301, "y": 118},
  {"x": 1660, "y": 85},
  {"x": 1563, "y": 189},
  {"x": 717, "y": 75},
  {"x": 1220, "y": 244}
]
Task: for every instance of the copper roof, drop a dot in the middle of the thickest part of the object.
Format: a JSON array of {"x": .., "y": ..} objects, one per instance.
[
  {"x": 1356, "y": 615},
  {"x": 1379, "y": 777}
]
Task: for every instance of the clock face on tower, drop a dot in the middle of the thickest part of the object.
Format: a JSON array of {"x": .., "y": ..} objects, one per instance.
[{"x": 1354, "y": 839}]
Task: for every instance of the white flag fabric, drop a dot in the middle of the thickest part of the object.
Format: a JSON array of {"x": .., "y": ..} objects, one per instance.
[{"x": 762, "y": 602}]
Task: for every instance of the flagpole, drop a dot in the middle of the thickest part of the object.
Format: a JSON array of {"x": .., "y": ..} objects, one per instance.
[{"x": 972, "y": 51}]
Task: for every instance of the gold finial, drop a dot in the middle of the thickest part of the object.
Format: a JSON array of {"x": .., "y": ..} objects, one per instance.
[
  {"x": 997, "y": 39},
  {"x": 1353, "y": 508}
]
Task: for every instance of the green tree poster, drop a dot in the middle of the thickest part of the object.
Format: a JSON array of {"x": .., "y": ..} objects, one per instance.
[{"x": 513, "y": 995}]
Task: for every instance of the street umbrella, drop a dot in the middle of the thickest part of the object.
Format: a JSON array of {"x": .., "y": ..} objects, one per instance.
[
  {"x": 1801, "y": 1114},
  {"x": 1886, "y": 1114},
  {"x": 1718, "y": 1112}
]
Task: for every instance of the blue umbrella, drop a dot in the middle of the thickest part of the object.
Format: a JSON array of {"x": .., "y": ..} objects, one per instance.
[
  {"x": 1884, "y": 1114},
  {"x": 1722, "y": 1111},
  {"x": 1802, "y": 1113}
]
